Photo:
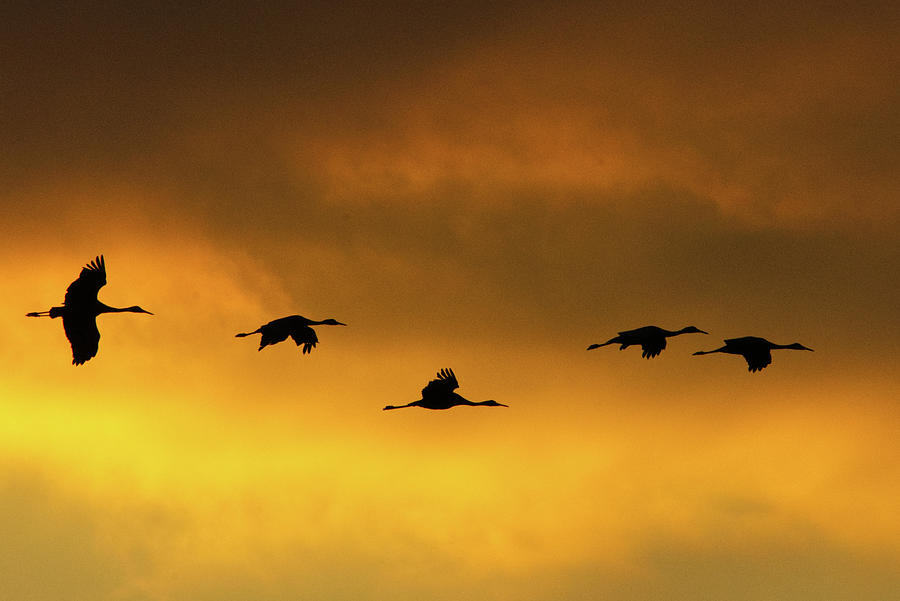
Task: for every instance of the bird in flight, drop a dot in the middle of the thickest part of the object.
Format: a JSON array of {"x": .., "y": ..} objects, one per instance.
[
  {"x": 651, "y": 338},
  {"x": 295, "y": 326},
  {"x": 81, "y": 308},
  {"x": 438, "y": 394},
  {"x": 756, "y": 351}
]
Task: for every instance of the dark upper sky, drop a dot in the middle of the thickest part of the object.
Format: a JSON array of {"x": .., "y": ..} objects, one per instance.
[{"x": 790, "y": 109}]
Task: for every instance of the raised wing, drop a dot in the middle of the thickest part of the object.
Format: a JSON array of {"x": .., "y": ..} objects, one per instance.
[
  {"x": 445, "y": 383},
  {"x": 84, "y": 290},
  {"x": 81, "y": 330}
]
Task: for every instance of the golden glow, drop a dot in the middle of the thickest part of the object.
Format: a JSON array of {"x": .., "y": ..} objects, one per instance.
[
  {"x": 490, "y": 193},
  {"x": 599, "y": 493}
]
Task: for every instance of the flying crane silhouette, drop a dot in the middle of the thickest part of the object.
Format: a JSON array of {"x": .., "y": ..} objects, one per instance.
[
  {"x": 295, "y": 326},
  {"x": 438, "y": 394},
  {"x": 756, "y": 351},
  {"x": 651, "y": 338},
  {"x": 81, "y": 308}
]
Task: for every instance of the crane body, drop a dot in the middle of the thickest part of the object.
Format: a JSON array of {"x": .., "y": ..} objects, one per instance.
[
  {"x": 80, "y": 310},
  {"x": 295, "y": 326},
  {"x": 755, "y": 350},
  {"x": 652, "y": 339},
  {"x": 439, "y": 394}
]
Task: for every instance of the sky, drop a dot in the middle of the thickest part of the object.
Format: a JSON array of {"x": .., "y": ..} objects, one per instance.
[{"x": 487, "y": 188}]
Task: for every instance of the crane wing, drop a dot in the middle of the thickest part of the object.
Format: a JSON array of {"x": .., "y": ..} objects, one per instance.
[
  {"x": 653, "y": 347},
  {"x": 754, "y": 349},
  {"x": 445, "y": 383},
  {"x": 306, "y": 336},
  {"x": 81, "y": 330},
  {"x": 89, "y": 282},
  {"x": 758, "y": 360},
  {"x": 746, "y": 340},
  {"x": 640, "y": 332}
]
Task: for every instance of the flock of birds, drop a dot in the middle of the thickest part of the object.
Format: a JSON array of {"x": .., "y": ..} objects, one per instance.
[
  {"x": 756, "y": 351},
  {"x": 81, "y": 307}
]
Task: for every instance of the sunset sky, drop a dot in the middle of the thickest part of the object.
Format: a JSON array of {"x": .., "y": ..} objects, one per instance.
[{"x": 488, "y": 188}]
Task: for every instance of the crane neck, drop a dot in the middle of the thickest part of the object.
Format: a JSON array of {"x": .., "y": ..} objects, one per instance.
[
  {"x": 326, "y": 322},
  {"x": 686, "y": 330},
  {"x": 793, "y": 346},
  {"x": 103, "y": 308}
]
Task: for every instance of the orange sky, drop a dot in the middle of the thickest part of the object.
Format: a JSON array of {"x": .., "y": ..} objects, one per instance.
[{"x": 486, "y": 189}]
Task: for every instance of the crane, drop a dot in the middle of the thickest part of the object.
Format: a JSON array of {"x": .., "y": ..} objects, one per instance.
[
  {"x": 438, "y": 394},
  {"x": 81, "y": 308},
  {"x": 295, "y": 326},
  {"x": 756, "y": 351},
  {"x": 651, "y": 338}
]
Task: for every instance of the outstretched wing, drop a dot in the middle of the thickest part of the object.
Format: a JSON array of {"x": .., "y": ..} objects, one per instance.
[
  {"x": 306, "y": 336},
  {"x": 84, "y": 290},
  {"x": 652, "y": 347},
  {"x": 445, "y": 383},
  {"x": 81, "y": 330}
]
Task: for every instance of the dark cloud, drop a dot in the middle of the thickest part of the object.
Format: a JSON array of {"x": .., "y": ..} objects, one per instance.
[{"x": 783, "y": 116}]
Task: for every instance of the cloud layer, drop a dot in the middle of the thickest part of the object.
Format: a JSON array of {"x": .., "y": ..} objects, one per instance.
[{"x": 487, "y": 189}]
